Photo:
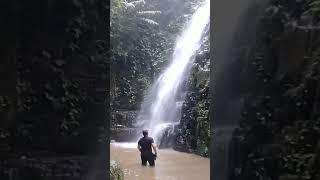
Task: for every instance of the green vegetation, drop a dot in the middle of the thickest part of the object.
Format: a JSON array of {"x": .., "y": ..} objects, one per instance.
[
  {"x": 56, "y": 61},
  {"x": 279, "y": 134},
  {"x": 115, "y": 171},
  {"x": 142, "y": 39},
  {"x": 54, "y": 69},
  {"x": 140, "y": 47}
]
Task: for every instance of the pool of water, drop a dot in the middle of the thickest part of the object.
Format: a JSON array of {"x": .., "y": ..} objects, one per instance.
[{"x": 170, "y": 164}]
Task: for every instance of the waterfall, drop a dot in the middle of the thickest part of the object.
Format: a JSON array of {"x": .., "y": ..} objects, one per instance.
[{"x": 160, "y": 107}]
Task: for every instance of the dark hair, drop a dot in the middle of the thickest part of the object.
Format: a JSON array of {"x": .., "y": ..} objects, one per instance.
[{"x": 145, "y": 132}]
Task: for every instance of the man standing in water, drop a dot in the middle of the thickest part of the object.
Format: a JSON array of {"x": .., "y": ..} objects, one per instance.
[{"x": 145, "y": 146}]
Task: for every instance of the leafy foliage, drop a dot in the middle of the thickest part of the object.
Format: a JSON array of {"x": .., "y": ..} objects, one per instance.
[
  {"x": 315, "y": 6},
  {"x": 62, "y": 47},
  {"x": 115, "y": 171},
  {"x": 278, "y": 137},
  {"x": 140, "y": 47}
]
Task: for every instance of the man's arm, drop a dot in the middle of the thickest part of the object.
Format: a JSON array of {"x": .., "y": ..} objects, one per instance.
[
  {"x": 139, "y": 148},
  {"x": 154, "y": 147}
]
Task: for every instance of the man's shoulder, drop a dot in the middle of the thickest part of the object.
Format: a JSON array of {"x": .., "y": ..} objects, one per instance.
[
  {"x": 150, "y": 139},
  {"x": 142, "y": 139},
  {"x": 146, "y": 139}
]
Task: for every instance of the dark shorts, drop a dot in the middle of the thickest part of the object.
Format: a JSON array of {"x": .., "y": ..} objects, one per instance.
[{"x": 149, "y": 158}]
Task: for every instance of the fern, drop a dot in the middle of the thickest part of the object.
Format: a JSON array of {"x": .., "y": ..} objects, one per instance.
[{"x": 315, "y": 6}]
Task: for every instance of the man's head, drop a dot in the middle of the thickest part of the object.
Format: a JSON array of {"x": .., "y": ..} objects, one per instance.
[{"x": 145, "y": 133}]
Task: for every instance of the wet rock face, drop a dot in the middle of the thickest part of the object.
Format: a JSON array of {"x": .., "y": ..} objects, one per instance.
[
  {"x": 124, "y": 118},
  {"x": 168, "y": 137},
  {"x": 123, "y": 126},
  {"x": 193, "y": 132},
  {"x": 203, "y": 78},
  {"x": 124, "y": 134}
]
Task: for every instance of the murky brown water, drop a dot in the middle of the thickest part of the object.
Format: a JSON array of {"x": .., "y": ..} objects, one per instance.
[{"x": 170, "y": 164}]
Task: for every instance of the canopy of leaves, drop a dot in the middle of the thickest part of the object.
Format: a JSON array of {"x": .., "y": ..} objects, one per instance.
[{"x": 141, "y": 44}]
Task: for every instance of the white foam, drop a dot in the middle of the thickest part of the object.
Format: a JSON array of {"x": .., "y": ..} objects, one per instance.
[{"x": 127, "y": 145}]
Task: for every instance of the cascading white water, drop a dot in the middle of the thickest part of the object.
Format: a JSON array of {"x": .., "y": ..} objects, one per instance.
[{"x": 159, "y": 109}]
